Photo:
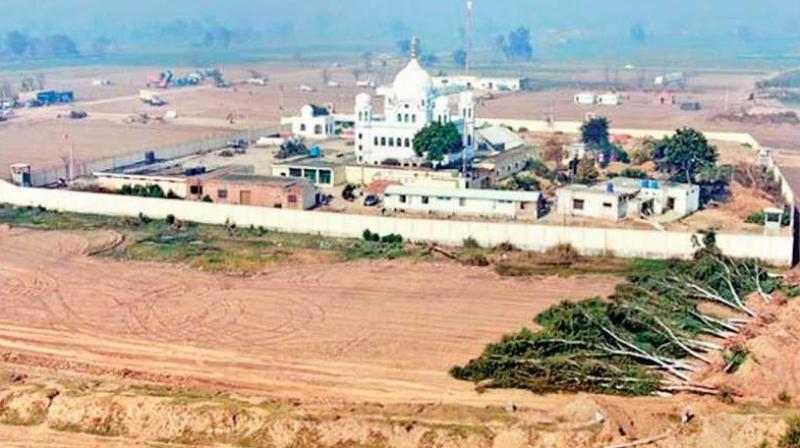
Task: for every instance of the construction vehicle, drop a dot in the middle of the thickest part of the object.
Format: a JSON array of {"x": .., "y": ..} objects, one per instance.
[
  {"x": 77, "y": 115},
  {"x": 163, "y": 80},
  {"x": 257, "y": 79},
  {"x": 151, "y": 98}
]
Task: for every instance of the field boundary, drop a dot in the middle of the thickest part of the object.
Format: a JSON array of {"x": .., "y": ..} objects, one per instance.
[{"x": 627, "y": 243}]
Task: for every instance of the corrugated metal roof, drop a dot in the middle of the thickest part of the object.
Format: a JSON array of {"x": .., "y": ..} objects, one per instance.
[
  {"x": 498, "y": 195},
  {"x": 498, "y": 135}
]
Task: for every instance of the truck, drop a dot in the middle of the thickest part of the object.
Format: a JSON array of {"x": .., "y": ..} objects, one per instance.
[
  {"x": 48, "y": 97},
  {"x": 151, "y": 98}
]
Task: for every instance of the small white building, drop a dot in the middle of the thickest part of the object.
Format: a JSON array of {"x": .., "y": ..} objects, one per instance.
[
  {"x": 457, "y": 201},
  {"x": 487, "y": 84},
  {"x": 586, "y": 98},
  {"x": 314, "y": 122},
  {"x": 608, "y": 99},
  {"x": 624, "y": 197}
]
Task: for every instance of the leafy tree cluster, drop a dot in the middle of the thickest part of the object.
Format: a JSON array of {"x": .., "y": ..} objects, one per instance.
[
  {"x": 649, "y": 336},
  {"x": 146, "y": 191},
  {"x": 20, "y": 45},
  {"x": 516, "y": 46},
  {"x": 391, "y": 238},
  {"x": 595, "y": 134},
  {"x": 437, "y": 140},
  {"x": 687, "y": 156}
]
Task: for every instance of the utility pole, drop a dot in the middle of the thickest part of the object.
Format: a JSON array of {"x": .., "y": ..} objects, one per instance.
[{"x": 466, "y": 79}]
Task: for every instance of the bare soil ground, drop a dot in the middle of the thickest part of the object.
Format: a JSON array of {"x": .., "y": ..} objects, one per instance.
[
  {"x": 316, "y": 355},
  {"x": 384, "y": 331}
]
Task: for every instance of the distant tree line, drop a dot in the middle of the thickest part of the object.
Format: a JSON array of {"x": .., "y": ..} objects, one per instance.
[
  {"x": 516, "y": 46},
  {"x": 17, "y": 44}
]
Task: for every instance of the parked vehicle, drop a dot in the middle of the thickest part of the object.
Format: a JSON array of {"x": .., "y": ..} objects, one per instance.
[
  {"x": 371, "y": 200},
  {"x": 348, "y": 194}
]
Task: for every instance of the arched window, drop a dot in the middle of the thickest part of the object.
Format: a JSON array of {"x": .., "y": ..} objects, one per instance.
[
  {"x": 399, "y": 118},
  {"x": 408, "y": 143},
  {"x": 406, "y": 118},
  {"x": 375, "y": 141},
  {"x": 469, "y": 140},
  {"x": 318, "y": 129},
  {"x": 302, "y": 127},
  {"x": 383, "y": 141},
  {"x": 414, "y": 118}
]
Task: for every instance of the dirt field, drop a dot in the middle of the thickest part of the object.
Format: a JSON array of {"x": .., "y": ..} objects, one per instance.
[
  {"x": 382, "y": 331},
  {"x": 317, "y": 355}
]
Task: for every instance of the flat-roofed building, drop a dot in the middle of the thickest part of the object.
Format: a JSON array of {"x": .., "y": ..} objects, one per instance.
[
  {"x": 457, "y": 201},
  {"x": 316, "y": 170},
  {"x": 259, "y": 191},
  {"x": 621, "y": 197}
]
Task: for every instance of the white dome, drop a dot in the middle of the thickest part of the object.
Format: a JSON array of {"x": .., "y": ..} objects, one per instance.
[
  {"x": 363, "y": 99},
  {"x": 413, "y": 82}
]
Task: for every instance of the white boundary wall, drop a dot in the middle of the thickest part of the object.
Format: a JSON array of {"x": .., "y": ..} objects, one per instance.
[{"x": 776, "y": 250}]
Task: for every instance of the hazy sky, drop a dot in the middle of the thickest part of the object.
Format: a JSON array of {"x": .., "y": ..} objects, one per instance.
[{"x": 761, "y": 24}]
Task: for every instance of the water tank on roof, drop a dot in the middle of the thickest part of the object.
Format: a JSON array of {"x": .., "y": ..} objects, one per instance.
[
  {"x": 644, "y": 183},
  {"x": 609, "y": 187},
  {"x": 315, "y": 151},
  {"x": 655, "y": 185},
  {"x": 150, "y": 157}
]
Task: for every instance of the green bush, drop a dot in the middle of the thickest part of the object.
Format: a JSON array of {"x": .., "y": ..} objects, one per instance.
[
  {"x": 634, "y": 173},
  {"x": 471, "y": 243},
  {"x": 791, "y": 438}
]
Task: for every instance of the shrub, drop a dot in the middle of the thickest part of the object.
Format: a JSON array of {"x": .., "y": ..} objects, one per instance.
[
  {"x": 506, "y": 247},
  {"x": 784, "y": 397},
  {"x": 634, "y": 173},
  {"x": 563, "y": 253},
  {"x": 791, "y": 438},
  {"x": 734, "y": 357},
  {"x": 476, "y": 259},
  {"x": 369, "y": 236},
  {"x": 726, "y": 395},
  {"x": 207, "y": 198},
  {"x": 170, "y": 219},
  {"x": 392, "y": 238},
  {"x": 471, "y": 243}
]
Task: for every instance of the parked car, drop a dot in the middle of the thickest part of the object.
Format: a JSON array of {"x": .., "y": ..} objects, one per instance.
[{"x": 371, "y": 200}]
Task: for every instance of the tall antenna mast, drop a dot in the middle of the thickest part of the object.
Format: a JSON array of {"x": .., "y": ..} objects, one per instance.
[
  {"x": 468, "y": 58},
  {"x": 466, "y": 73}
]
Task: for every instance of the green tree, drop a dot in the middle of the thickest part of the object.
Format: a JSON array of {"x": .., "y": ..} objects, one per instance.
[
  {"x": 595, "y": 133},
  {"x": 437, "y": 140},
  {"x": 686, "y": 154}
]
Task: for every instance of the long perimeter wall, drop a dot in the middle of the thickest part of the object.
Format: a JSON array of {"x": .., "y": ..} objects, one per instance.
[{"x": 775, "y": 249}]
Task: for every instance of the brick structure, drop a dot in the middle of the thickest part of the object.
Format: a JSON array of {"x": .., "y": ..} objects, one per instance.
[{"x": 260, "y": 191}]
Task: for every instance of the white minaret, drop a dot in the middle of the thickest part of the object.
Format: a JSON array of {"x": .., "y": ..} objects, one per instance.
[
  {"x": 441, "y": 110},
  {"x": 363, "y": 109},
  {"x": 466, "y": 111}
]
